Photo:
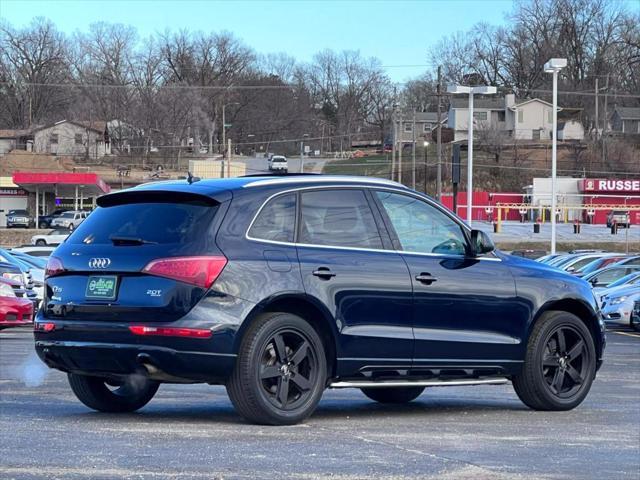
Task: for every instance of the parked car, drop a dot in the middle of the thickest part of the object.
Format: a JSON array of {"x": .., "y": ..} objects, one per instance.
[
  {"x": 578, "y": 261},
  {"x": 617, "y": 307},
  {"x": 598, "y": 264},
  {"x": 32, "y": 279},
  {"x": 278, "y": 163},
  {"x": 633, "y": 260},
  {"x": 54, "y": 237},
  {"x": 14, "y": 311},
  {"x": 44, "y": 221},
  {"x": 279, "y": 287},
  {"x": 635, "y": 315},
  {"x": 39, "y": 251},
  {"x": 619, "y": 217},
  {"x": 529, "y": 253},
  {"x": 69, "y": 220},
  {"x": 608, "y": 275},
  {"x": 548, "y": 258},
  {"x": 14, "y": 274},
  {"x": 19, "y": 219},
  {"x": 614, "y": 287}
]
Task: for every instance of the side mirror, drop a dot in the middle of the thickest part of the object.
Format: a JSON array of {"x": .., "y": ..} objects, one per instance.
[
  {"x": 571, "y": 269},
  {"x": 481, "y": 243}
]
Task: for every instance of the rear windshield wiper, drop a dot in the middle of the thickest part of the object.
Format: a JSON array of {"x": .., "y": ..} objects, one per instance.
[{"x": 117, "y": 240}]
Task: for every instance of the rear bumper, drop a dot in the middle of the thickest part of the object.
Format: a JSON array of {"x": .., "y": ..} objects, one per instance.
[{"x": 113, "y": 360}]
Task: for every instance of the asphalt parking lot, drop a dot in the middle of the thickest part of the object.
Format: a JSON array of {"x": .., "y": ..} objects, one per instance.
[{"x": 192, "y": 431}]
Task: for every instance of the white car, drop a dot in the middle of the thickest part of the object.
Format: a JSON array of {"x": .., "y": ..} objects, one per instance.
[
  {"x": 54, "y": 237},
  {"x": 618, "y": 306},
  {"x": 278, "y": 163},
  {"x": 69, "y": 220}
]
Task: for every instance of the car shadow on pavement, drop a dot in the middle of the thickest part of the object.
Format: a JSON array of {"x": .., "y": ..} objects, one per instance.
[{"x": 223, "y": 412}]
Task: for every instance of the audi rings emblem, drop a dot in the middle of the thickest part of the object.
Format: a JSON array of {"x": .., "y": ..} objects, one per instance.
[{"x": 99, "y": 262}]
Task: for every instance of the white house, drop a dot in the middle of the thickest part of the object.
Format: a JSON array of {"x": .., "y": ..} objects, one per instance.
[
  {"x": 570, "y": 130},
  {"x": 70, "y": 137},
  {"x": 525, "y": 120}
]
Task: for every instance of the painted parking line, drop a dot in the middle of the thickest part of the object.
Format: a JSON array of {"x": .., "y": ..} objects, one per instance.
[{"x": 637, "y": 335}]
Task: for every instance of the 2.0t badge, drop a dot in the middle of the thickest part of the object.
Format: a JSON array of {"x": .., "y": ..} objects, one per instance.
[{"x": 99, "y": 262}]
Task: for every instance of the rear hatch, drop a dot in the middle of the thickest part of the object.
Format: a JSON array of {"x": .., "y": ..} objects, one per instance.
[{"x": 142, "y": 256}]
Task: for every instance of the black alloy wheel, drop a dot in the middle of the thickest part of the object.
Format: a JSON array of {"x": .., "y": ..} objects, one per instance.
[
  {"x": 559, "y": 364},
  {"x": 288, "y": 369},
  {"x": 565, "y": 362},
  {"x": 280, "y": 372}
]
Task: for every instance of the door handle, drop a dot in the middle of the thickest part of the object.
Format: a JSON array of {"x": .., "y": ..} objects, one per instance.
[
  {"x": 426, "y": 278},
  {"x": 324, "y": 273}
]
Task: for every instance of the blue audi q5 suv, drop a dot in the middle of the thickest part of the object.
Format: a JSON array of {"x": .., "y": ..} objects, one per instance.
[{"x": 281, "y": 286}]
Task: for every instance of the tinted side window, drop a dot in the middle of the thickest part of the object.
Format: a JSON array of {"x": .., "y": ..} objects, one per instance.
[
  {"x": 421, "y": 227},
  {"x": 276, "y": 221},
  {"x": 340, "y": 218}
]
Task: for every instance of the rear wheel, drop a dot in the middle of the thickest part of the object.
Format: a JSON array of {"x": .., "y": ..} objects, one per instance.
[
  {"x": 393, "y": 395},
  {"x": 43, "y": 225},
  {"x": 113, "y": 396},
  {"x": 41, "y": 242},
  {"x": 280, "y": 372},
  {"x": 560, "y": 363}
]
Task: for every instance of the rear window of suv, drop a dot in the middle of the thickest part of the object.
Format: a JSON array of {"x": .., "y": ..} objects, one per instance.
[{"x": 155, "y": 222}]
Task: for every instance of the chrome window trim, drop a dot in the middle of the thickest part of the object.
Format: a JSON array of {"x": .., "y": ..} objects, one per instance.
[
  {"x": 317, "y": 179},
  {"x": 358, "y": 249}
]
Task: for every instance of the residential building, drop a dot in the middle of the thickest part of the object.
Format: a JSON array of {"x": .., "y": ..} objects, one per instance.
[
  {"x": 529, "y": 119},
  {"x": 626, "y": 120},
  {"x": 425, "y": 123},
  {"x": 15, "y": 140},
  {"x": 71, "y": 137}
]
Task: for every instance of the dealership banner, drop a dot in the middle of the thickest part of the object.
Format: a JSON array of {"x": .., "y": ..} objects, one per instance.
[{"x": 588, "y": 185}]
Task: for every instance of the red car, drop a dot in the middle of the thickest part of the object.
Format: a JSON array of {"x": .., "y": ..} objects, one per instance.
[{"x": 14, "y": 311}]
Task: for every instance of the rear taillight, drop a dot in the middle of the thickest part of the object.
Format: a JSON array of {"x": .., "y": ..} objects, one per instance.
[
  {"x": 200, "y": 271},
  {"x": 170, "y": 331},
  {"x": 54, "y": 267},
  {"x": 45, "y": 327}
]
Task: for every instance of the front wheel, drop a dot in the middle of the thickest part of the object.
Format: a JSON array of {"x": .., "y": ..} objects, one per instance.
[
  {"x": 280, "y": 372},
  {"x": 71, "y": 227},
  {"x": 43, "y": 225},
  {"x": 393, "y": 395},
  {"x": 41, "y": 242},
  {"x": 560, "y": 363},
  {"x": 113, "y": 396}
]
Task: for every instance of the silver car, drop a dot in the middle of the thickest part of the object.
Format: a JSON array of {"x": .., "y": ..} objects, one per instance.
[
  {"x": 69, "y": 220},
  {"x": 618, "y": 307}
]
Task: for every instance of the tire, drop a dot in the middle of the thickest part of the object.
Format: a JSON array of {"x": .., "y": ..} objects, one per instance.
[
  {"x": 71, "y": 227},
  {"x": 557, "y": 377},
  {"x": 281, "y": 370},
  {"x": 41, "y": 242},
  {"x": 393, "y": 395},
  {"x": 135, "y": 393},
  {"x": 43, "y": 225}
]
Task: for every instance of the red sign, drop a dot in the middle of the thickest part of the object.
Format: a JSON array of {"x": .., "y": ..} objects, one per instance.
[{"x": 615, "y": 186}]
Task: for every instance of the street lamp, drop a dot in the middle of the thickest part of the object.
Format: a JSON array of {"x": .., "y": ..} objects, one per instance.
[
  {"x": 554, "y": 66},
  {"x": 471, "y": 91}
]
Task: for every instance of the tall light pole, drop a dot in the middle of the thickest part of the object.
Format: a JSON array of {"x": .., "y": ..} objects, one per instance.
[
  {"x": 471, "y": 91},
  {"x": 554, "y": 66}
]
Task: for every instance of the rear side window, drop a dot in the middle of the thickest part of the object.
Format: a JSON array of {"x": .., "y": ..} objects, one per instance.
[
  {"x": 340, "y": 218},
  {"x": 156, "y": 222},
  {"x": 276, "y": 221}
]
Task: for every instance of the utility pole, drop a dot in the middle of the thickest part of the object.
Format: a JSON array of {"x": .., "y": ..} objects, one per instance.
[
  {"x": 301, "y": 156},
  {"x": 439, "y": 142},
  {"x": 604, "y": 122},
  {"x": 229, "y": 160},
  {"x": 400, "y": 134},
  {"x": 413, "y": 152},
  {"x": 224, "y": 127},
  {"x": 596, "y": 122},
  {"x": 393, "y": 143}
]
